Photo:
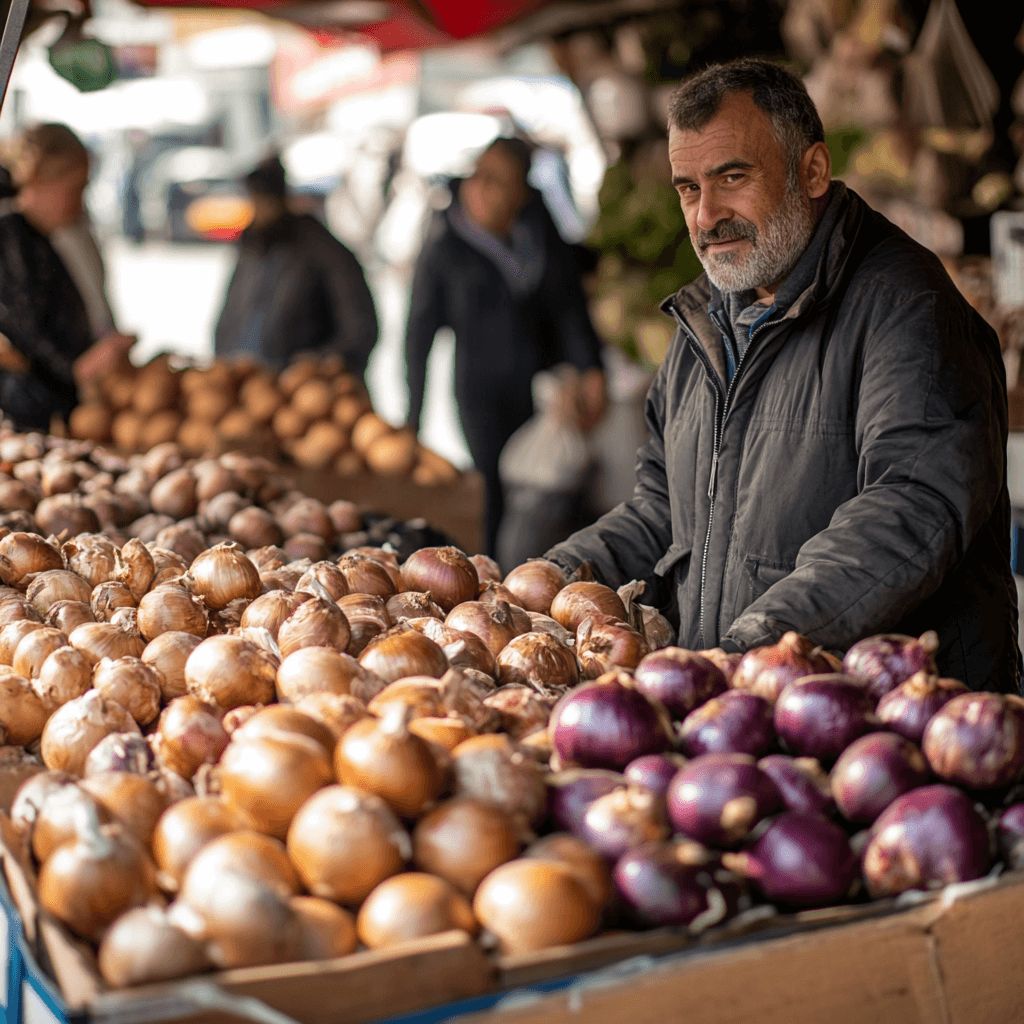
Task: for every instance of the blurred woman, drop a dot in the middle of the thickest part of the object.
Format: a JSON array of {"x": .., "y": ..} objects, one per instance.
[
  {"x": 49, "y": 346},
  {"x": 495, "y": 270}
]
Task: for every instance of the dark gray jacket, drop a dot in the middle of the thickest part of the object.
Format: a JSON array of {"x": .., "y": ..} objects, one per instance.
[{"x": 850, "y": 480}]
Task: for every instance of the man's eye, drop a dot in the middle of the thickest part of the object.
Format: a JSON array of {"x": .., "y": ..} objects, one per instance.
[{"x": 733, "y": 177}]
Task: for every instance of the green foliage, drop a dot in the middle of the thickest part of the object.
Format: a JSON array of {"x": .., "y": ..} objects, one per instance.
[{"x": 841, "y": 143}]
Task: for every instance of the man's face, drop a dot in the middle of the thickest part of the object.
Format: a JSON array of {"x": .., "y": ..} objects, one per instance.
[
  {"x": 747, "y": 221},
  {"x": 493, "y": 195}
]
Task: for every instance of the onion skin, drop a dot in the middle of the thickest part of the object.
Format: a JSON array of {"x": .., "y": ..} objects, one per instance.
[
  {"x": 909, "y": 707},
  {"x": 316, "y": 670},
  {"x": 336, "y": 711},
  {"x": 315, "y": 623},
  {"x": 328, "y": 931},
  {"x": 445, "y": 573},
  {"x": 682, "y": 680},
  {"x": 605, "y": 724},
  {"x": 654, "y": 771},
  {"x": 767, "y": 671},
  {"x": 189, "y": 734},
  {"x": 674, "y": 883},
  {"x": 535, "y": 583},
  {"x": 403, "y": 651},
  {"x": 492, "y": 624},
  {"x": 280, "y": 719},
  {"x": 735, "y": 722},
  {"x": 462, "y": 840},
  {"x": 411, "y": 906},
  {"x": 121, "y": 752},
  {"x": 571, "y": 791},
  {"x": 801, "y": 860},
  {"x": 803, "y": 783},
  {"x": 167, "y": 654},
  {"x": 75, "y": 728},
  {"x": 602, "y": 646},
  {"x": 886, "y": 660},
  {"x": 589, "y": 867},
  {"x": 1010, "y": 836},
  {"x": 228, "y": 671},
  {"x": 532, "y": 904},
  {"x": 142, "y": 947},
  {"x": 344, "y": 842},
  {"x": 579, "y": 601},
  {"x": 629, "y": 816},
  {"x": 925, "y": 839},
  {"x": 23, "y": 714},
  {"x": 539, "y": 661},
  {"x": 977, "y": 741},
  {"x": 872, "y": 771},
  {"x": 820, "y": 716},
  {"x": 245, "y": 852},
  {"x": 717, "y": 799}
]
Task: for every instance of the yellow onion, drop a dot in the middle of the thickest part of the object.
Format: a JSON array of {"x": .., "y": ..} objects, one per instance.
[
  {"x": 540, "y": 661},
  {"x": 307, "y": 548},
  {"x": 328, "y": 578},
  {"x": 383, "y": 757},
  {"x": 135, "y": 801},
  {"x": 491, "y": 623},
  {"x": 90, "y": 881},
  {"x": 403, "y": 651},
  {"x": 34, "y": 648},
  {"x": 535, "y": 584},
  {"x": 328, "y": 931},
  {"x": 532, "y": 904},
  {"x": 12, "y": 634},
  {"x": 315, "y": 623},
  {"x": 344, "y": 842},
  {"x": 271, "y": 776},
  {"x": 446, "y": 573},
  {"x": 367, "y": 617},
  {"x": 462, "y": 840},
  {"x": 490, "y": 768},
  {"x": 174, "y": 495},
  {"x": 131, "y": 683},
  {"x": 365, "y": 575},
  {"x": 382, "y": 556},
  {"x": 166, "y": 654},
  {"x": 317, "y": 670},
  {"x": 189, "y": 734},
  {"x": 223, "y": 574},
  {"x": 487, "y": 569},
  {"x": 245, "y": 852},
  {"x": 183, "y": 539},
  {"x": 447, "y": 732},
  {"x": 60, "y": 814},
  {"x": 25, "y": 553},
  {"x": 186, "y": 827},
  {"x": 411, "y": 906},
  {"x": 254, "y": 527},
  {"x": 589, "y": 867},
  {"x": 143, "y": 947},
  {"x": 106, "y": 598},
  {"x": 22, "y": 712},
  {"x": 602, "y": 646},
  {"x": 461, "y": 649},
  {"x": 45, "y": 589},
  {"x": 227, "y": 671},
  {"x": 579, "y": 601},
  {"x": 521, "y": 709},
  {"x": 427, "y": 697},
  {"x": 136, "y": 568},
  {"x": 98, "y": 640},
  {"x": 63, "y": 676},
  {"x": 93, "y": 557},
  {"x": 410, "y": 604},
  {"x": 336, "y": 711},
  {"x": 14, "y": 609},
  {"x": 307, "y": 515},
  {"x": 77, "y": 726},
  {"x": 280, "y": 718},
  {"x": 167, "y": 566},
  {"x": 270, "y": 610}
]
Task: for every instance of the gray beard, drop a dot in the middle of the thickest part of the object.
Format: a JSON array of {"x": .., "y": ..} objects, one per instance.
[{"x": 771, "y": 256}]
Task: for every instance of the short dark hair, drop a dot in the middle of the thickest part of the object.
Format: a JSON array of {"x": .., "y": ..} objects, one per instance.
[
  {"x": 516, "y": 149},
  {"x": 267, "y": 178},
  {"x": 774, "y": 89}
]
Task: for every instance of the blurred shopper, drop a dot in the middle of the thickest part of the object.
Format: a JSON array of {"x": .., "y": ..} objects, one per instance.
[
  {"x": 495, "y": 270},
  {"x": 295, "y": 288},
  {"x": 50, "y": 343}
]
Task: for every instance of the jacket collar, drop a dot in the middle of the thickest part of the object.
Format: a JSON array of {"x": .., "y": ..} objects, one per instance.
[{"x": 841, "y": 219}]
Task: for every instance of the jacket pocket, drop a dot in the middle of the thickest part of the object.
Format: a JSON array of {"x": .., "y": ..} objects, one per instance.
[
  {"x": 759, "y": 575},
  {"x": 673, "y": 557}
]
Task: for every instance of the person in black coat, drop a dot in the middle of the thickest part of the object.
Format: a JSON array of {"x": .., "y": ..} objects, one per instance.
[
  {"x": 295, "y": 288},
  {"x": 495, "y": 270}
]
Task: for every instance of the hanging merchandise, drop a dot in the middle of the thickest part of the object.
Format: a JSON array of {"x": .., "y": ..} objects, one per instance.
[{"x": 88, "y": 64}]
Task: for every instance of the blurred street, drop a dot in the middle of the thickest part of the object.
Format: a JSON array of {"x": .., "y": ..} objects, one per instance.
[{"x": 170, "y": 295}]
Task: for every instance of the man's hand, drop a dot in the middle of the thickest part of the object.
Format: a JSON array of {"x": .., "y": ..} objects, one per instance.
[
  {"x": 102, "y": 356},
  {"x": 10, "y": 357}
]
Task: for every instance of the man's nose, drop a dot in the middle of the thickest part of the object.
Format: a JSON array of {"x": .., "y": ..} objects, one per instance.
[{"x": 711, "y": 211}]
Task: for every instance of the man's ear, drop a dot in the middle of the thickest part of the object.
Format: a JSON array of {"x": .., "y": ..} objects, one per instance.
[{"x": 816, "y": 170}]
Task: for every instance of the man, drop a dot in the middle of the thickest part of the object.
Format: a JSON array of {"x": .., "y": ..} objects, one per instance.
[
  {"x": 48, "y": 346},
  {"x": 496, "y": 271},
  {"x": 295, "y": 288},
  {"x": 828, "y": 429}
]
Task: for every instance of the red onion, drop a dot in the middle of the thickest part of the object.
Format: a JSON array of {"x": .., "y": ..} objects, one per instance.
[
  {"x": 735, "y": 722},
  {"x": 910, "y": 707},
  {"x": 886, "y": 660},
  {"x": 803, "y": 783},
  {"x": 626, "y": 817},
  {"x": 977, "y": 740},
  {"x": 121, "y": 752},
  {"x": 800, "y": 860},
  {"x": 607, "y": 723},
  {"x": 655, "y": 771},
  {"x": 820, "y": 716},
  {"x": 675, "y": 883},
  {"x": 925, "y": 839},
  {"x": 872, "y": 771},
  {"x": 725, "y": 661},
  {"x": 682, "y": 680},
  {"x": 570, "y": 792},
  {"x": 1010, "y": 836},
  {"x": 767, "y": 671},
  {"x": 717, "y": 799}
]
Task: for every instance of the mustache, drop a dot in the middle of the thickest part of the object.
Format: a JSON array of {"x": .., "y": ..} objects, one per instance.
[{"x": 727, "y": 231}]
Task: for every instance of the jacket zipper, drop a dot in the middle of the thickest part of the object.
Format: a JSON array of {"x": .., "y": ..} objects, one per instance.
[{"x": 717, "y": 443}]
